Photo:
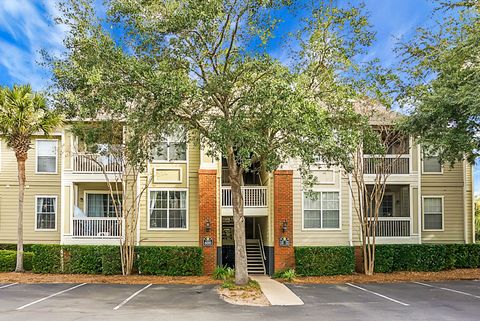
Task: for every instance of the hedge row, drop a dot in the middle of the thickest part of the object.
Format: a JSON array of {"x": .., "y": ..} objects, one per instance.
[
  {"x": 330, "y": 260},
  {"x": 8, "y": 260},
  {"x": 102, "y": 259},
  {"x": 426, "y": 257}
]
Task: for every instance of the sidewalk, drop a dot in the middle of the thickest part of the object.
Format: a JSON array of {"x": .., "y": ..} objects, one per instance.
[{"x": 276, "y": 292}]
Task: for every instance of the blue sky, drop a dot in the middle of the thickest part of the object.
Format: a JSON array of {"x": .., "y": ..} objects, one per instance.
[{"x": 26, "y": 27}]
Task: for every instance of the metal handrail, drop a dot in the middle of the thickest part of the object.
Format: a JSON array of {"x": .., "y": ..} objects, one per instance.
[{"x": 261, "y": 243}]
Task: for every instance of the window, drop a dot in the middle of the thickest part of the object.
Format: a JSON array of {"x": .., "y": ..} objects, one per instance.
[
  {"x": 431, "y": 163},
  {"x": 168, "y": 210},
  {"x": 102, "y": 205},
  {"x": 433, "y": 213},
  {"x": 46, "y": 156},
  {"x": 321, "y": 210},
  {"x": 386, "y": 208},
  {"x": 46, "y": 212},
  {"x": 172, "y": 148}
]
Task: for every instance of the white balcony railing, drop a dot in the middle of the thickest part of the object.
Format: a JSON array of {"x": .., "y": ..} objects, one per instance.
[
  {"x": 253, "y": 196},
  {"x": 93, "y": 163},
  {"x": 98, "y": 227},
  {"x": 391, "y": 164},
  {"x": 393, "y": 227}
]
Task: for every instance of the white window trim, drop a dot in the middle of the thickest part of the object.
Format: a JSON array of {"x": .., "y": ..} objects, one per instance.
[
  {"x": 36, "y": 157},
  {"x": 85, "y": 199},
  {"x": 443, "y": 212},
  {"x": 168, "y": 161},
  {"x": 430, "y": 173},
  {"x": 187, "y": 218},
  {"x": 56, "y": 213},
  {"x": 316, "y": 229}
]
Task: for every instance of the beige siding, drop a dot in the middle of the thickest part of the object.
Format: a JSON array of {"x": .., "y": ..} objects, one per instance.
[
  {"x": 37, "y": 184},
  {"x": 449, "y": 185},
  {"x": 305, "y": 237},
  {"x": 188, "y": 237}
]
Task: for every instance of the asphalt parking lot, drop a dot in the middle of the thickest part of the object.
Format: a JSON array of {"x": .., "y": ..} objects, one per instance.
[{"x": 453, "y": 300}]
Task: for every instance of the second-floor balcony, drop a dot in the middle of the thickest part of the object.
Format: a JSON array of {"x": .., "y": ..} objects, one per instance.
[
  {"x": 96, "y": 163},
  {"x": 255, "y": 200},
  {"x": 388, "y": 164}
]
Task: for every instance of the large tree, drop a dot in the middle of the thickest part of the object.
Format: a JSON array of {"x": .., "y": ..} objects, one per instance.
[
  {"x": 23, "y": 114},
  {"x": 203, "y": 65},
  {"x": 441, "y": 66}
]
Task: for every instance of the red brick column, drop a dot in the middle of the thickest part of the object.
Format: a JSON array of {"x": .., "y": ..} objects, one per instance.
[
  {"x": 283, "y": 211},
  {"x": 207, "y": 196}
]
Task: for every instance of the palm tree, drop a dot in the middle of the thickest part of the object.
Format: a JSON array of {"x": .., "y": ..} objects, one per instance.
[{"x": 23, "y": 113}]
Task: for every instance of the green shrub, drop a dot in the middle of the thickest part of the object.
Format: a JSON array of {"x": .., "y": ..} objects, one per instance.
[
  {"x": 288, "y": 275},
  {"x": 223, "y": 273},
  {"x": 384, "y": 258},
  {"x": 13, "y": 247},
  {"x": 8, "y": 260},
  {"x": 331, "y": 260},
  {"x": 47, "y": 258},
  {"x": 426, "y": 257},
  {"x": 170, "y": 260},
  {"x": 82, "y": 259},
  {"x": 111, "y": 260}
]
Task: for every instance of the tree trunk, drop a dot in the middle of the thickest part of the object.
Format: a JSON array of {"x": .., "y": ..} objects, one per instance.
[
  {"x": 21, "y": 193},
  {"x": 236, "y": 182}
]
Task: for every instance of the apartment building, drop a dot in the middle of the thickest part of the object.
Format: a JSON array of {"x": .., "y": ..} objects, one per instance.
[{"x": 188, "y": 202}]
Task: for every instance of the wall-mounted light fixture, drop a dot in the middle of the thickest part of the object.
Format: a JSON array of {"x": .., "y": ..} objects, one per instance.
[
  {"x": 284, "y": 226},
  {"x": 208, "y": 226}
]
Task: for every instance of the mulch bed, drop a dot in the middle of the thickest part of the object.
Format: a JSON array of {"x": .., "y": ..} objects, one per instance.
[
  {"x": 116, "y": 279},
  {"x": 458, "y": 274}
]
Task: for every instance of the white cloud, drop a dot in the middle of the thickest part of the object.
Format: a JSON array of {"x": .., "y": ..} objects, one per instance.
[{"x": 30, "y": 28}]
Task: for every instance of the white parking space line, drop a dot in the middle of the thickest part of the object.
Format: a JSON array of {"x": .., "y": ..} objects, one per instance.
[
  {"x": 50, "y": 296},
  {"x": 447, "y": 289},
  {"x": 131, "y": 297},
  {"x": 7, "y": 285},
  {"x": 378, "y": 294}
]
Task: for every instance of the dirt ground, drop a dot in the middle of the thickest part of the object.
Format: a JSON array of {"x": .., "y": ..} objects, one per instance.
[
  {"x": 459, "y": 274},
  {"x": 252, "y": 297},
  {"x": 118, "y": 279}
]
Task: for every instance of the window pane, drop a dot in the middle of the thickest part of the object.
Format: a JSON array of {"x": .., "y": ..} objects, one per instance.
[
  {"x": 160, "y": 153},
  {"x": 46, "y": 164},
  {"x": 178, "y": 151},
  {"x": 158, "y": 218},
  {"x": 330, "y": 201},
  {"x": 433, "y": 221},
  {"x": 331, "y": 219},
  {"x": 312, "y": 218},
  {"x": 46, "y": 207},
  {"x": 46, "y": 148},
  {"x": 312, "y": 200},
  {"x": 386, "y": 208},
  {"x": 178, "y": 219},
  {"x": 431, "y": 165},
  {"x": 178, "y": 200}
]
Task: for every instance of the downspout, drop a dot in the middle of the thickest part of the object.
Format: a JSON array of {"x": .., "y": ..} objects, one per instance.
[
  {"x": 465, "y": 233},
  {"x": 350, "y": 204},
  {"x": 419, "y": 196}
]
